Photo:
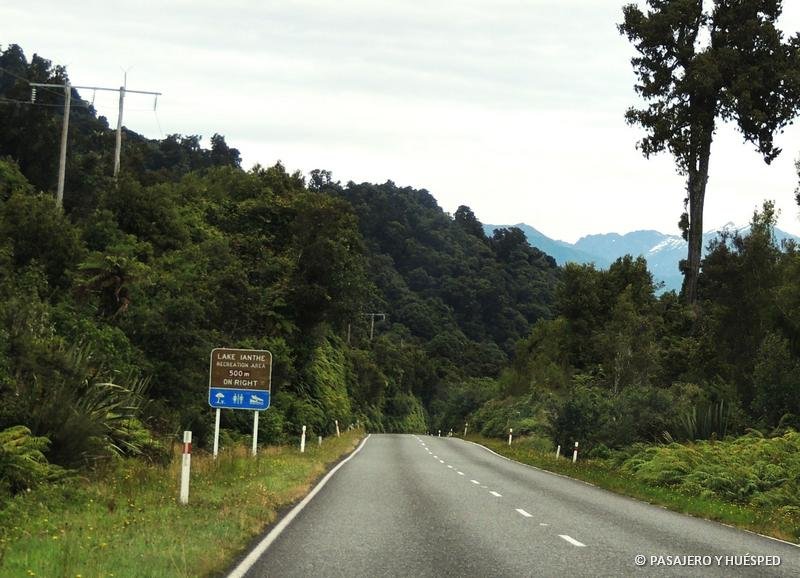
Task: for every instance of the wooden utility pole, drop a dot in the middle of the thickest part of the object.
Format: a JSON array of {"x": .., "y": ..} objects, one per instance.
[
  {"x": 118, "y": 148},
  {"x": 62, "y": 165},
  {"x": 62, "y": 159},
  {"x": 372, "y": 317}
]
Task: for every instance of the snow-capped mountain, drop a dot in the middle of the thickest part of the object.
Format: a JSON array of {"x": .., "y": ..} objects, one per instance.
[{"x": 663, "y": 252}]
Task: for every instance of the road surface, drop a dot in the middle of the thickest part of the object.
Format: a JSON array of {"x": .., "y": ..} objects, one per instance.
[{"x": 418, "y": 506}]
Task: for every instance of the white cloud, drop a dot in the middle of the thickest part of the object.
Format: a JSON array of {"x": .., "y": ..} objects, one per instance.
[{"x": 514, "y": 108}]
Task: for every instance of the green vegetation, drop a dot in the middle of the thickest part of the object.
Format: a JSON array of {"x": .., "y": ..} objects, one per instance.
[
  {"x": 109, "y": 309},
  {"x": 750, "y": 482},
  {"x": 126, "y": 520},
  {"x": 620, "y": 365}
]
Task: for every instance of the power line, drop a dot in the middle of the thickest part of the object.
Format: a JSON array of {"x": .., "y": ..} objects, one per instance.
[
  {"x": 65, "y": 126},
  {"x": 158, "y": 122},
  {"x": 18, "y": 77},
  {"x": 29, "y": 103}
]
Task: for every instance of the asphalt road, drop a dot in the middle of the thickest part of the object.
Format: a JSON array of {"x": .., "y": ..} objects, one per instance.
[{"x": 419, "y": 506}]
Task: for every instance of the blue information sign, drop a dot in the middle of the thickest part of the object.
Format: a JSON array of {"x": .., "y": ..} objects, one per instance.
[{"x": 238, "y": 398}]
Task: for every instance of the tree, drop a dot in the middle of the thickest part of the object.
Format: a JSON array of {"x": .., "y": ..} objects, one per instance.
[
  {"x": 797, "y": 190},
  {"x": 465, "y": 218},
  {"x": 697, "y": 64},
  {"x": 223, "y": 155}
]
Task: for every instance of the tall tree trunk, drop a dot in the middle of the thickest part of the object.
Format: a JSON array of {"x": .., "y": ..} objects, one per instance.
[{"x": 698, "y": 179}]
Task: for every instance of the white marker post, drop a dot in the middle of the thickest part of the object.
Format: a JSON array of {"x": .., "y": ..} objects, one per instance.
[
  {"x": 185, "y": 466},
  {"x": 558, "y": 451},
  {"x": 575, "y": 453},
  {"x": 336, "y": 421},
  {"x": 319, "y": 441},
  {"x": 440, "y": 433},
  {"x": 466, "y": 425},
  {"x": 216, "y": 434},
  {"x": 510, "y": 434},
  {"x": 255, "y": 433},
  {"x": 303, "y": 441}
]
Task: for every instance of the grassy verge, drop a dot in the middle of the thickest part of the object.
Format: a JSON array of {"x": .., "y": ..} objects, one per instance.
[
  {"x": 769, "y": 521},
  {"x": 128, "y": 522}
]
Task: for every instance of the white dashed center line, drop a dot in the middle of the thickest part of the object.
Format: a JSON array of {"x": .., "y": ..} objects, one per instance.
[
  {"x": 449, "y": 466},
  {"x": 476, "y": 482},
  {"x": 460, "y": 473},
  {"x": 543, "y": 524},
  {"x": 572, "y": 541},
  {"x": 496, "y": 495},
  {"x": 524, "y": 513},
  {"x": 441, "y": 461}
]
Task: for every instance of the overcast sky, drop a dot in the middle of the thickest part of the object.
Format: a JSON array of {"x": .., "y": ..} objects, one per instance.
[{"x": 514, "y": 108}]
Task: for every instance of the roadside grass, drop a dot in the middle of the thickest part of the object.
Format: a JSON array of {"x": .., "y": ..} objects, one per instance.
[
  {"x": 127, "y": 522},
  {"x": 784, "y": 525}
]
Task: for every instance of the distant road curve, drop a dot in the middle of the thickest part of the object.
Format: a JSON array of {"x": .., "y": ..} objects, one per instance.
[{"x": 407, "y": 505}]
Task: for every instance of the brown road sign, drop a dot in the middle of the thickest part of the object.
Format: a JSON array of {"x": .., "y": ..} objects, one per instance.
[{"x": 240, "y": 369}]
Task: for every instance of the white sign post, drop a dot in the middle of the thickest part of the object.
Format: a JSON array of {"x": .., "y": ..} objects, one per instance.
[
  {"x": 186, "y": 466},
  {"x": 216, "y": 434},
  {"x": 255, "y": 433}
]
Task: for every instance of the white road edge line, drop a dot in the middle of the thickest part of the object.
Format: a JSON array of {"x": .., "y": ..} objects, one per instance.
[
  {"x": 572, "y": 541},
  {"x": 628, "y": 497},
  {"x": 245, "y": 565},
  {"x": 495, "y": 494},
  {"x": 524, "y": 513}
]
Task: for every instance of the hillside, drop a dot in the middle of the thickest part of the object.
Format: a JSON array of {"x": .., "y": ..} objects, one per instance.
[{"x": 123, "y": 294}]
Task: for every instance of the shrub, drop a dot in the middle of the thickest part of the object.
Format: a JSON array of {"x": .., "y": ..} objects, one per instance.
[
  {"x": 22, "y": 461},
  {"x": 85, "y": 415},
  {"x": 751, "y": 469}
]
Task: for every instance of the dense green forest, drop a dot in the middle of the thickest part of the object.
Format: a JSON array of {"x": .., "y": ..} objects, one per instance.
[{"x": 109, "y": 308}]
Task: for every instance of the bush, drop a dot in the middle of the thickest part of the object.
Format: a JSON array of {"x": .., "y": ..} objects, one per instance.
[
  {"x": 22, "y": 461},
  {"x": 583, "y": 417},
  {"x": 751, "y": 469},
  {"x": 83, "y": 413},
  {"x": 527, "y": 415}
]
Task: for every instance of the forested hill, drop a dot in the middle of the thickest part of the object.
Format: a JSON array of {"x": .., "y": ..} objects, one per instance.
[
  {"x": 30, "y": 133},
  {"x": 454, "y": 283},
  {"x": 109, "y": 308}
]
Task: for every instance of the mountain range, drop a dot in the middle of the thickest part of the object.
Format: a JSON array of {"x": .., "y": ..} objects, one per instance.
[{"x": 663, "y": 252}]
